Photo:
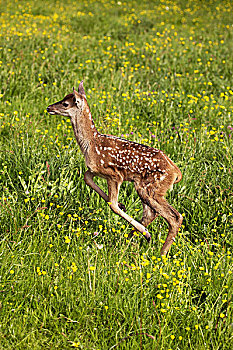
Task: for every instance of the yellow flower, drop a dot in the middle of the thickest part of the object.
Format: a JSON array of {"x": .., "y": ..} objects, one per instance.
[
  {"x": 159, "y": 296},
  {"x": 74, "y": 267},
  {"x": 67, "y": 239}
]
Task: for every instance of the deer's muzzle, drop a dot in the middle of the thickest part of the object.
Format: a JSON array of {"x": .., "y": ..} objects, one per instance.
[{"x": 50, "y": 110}]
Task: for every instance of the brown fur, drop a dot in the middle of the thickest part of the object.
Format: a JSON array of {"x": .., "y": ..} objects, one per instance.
[{"x": 118, "y": 160}]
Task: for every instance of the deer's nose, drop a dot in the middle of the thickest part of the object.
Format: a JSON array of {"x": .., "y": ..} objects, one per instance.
[{"x": 48, "y": 108}]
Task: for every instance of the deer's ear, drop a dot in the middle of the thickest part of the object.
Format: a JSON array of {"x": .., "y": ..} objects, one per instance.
[
  {"x": 81, "y": 89},
  {"x": 74, "y": 92},
  {"x": 78, "y": 100}
]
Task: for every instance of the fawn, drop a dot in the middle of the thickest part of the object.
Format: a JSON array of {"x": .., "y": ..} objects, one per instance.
[{"x": 117, "y": 160}]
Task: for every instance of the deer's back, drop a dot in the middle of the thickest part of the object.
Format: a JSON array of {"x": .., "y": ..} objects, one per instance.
[{"x": 132, "y": 160}]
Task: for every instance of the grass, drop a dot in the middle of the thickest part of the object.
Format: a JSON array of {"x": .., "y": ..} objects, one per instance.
[{"x": 155, "y": 72}]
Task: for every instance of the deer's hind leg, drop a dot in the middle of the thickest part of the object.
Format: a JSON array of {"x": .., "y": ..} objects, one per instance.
[
  {"x": 147, "y": 217},
  {"x": 174, "y": 220},
  {"x": 158, "y": 203}
]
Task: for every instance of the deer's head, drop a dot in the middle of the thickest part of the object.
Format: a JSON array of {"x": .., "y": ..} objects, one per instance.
[{"x": 71, "y": 104}]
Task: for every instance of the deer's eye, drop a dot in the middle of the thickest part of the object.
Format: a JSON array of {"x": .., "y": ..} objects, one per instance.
[{"x": 65, "y": 104}]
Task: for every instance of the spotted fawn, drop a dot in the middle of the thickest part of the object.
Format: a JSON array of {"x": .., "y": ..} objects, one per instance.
[{"x": 117, "y": 160}]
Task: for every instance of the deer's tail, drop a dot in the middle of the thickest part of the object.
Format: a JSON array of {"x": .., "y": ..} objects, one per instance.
[{"x": 179, "y": 176}]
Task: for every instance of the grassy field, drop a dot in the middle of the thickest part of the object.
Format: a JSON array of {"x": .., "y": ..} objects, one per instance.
[{"x": 155, "y": 72}]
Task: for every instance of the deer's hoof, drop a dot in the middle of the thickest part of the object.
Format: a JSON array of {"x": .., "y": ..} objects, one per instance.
[
  {"x": 122, "y": 207},
  {"x": 163, "y": 252},
  {"x": 132, "y": 233},
  {"x": 147, "y": 236}
]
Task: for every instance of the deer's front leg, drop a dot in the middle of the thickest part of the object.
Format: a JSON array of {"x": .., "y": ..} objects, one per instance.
[
  {"x": 88, "y": 178},
  {"x": 113, "y": 191}
]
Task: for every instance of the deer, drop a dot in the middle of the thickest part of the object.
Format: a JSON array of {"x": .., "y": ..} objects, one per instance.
[{"x": 117, "y": 160}]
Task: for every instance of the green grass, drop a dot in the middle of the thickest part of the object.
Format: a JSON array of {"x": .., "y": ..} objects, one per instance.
[{"x": 158, "y": 73}]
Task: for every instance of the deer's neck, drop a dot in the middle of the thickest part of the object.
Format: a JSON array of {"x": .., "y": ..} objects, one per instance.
[{"x": 84, "y": 129}]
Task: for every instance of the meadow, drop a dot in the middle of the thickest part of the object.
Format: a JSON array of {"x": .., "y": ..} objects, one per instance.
[{"x": 155, "y": 72}]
